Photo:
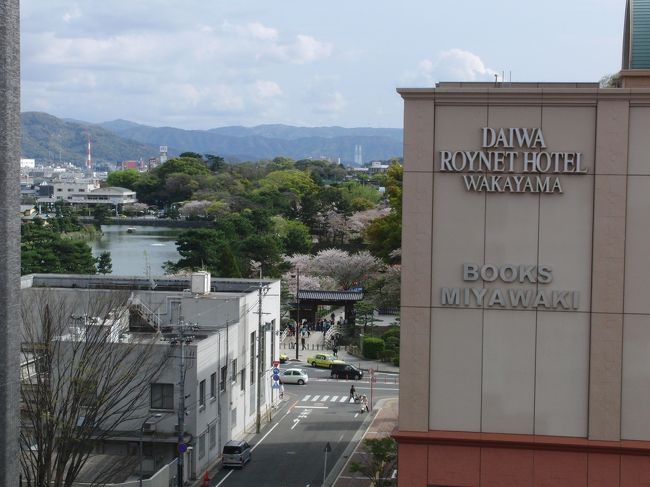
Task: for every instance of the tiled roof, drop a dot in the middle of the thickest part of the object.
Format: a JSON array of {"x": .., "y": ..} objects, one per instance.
[{"x": 330, "y": 295}]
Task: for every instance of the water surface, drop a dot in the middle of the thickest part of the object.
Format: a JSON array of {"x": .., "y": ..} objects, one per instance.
[{"x": 133, "y": 252}]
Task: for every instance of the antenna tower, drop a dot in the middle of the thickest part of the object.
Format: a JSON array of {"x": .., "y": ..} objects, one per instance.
[{"x": 89, "y": 159}]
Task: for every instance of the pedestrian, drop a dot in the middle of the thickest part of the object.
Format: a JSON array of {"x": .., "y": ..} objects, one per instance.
[
  {"x": 334, "y": 351},
  {"x": 352, "y": 392},
  {"x": 302, "y": 340},
  {"x": 364, "y": 404}
]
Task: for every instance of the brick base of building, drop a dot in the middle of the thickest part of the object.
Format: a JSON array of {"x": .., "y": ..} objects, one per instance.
[{"x": 458, "y": 459}]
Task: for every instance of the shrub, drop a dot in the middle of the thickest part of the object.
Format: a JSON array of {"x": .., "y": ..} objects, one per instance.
[
  {"x": 396, "y": 361},
  {"x": 392, "y": 343},
  {"x": 387, "y": 355},
  {"x": 372, "y": 347},
  {"x": 393, "y": 331}
]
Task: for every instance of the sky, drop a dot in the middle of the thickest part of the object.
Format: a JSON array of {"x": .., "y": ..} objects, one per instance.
[{"x": 200, "y": 64}]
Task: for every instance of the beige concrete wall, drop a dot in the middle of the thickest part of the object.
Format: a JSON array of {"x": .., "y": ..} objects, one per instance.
[
  {"x": 567, "y": 373},
  {"x": 608, "y": 270},
  {"x": 416, "y": 250}
]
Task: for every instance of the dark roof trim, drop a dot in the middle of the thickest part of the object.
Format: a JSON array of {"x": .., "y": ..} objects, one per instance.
[{"x": 336, "y": 296}]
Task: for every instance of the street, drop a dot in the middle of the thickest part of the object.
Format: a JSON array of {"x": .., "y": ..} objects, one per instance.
[{"x": 291, "y": 451}]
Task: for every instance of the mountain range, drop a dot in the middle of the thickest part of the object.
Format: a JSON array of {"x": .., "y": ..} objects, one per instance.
[{"x": 48, "y": 138}]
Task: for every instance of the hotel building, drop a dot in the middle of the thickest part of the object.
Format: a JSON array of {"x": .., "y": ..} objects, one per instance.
[{"x": 526, "y": 281}]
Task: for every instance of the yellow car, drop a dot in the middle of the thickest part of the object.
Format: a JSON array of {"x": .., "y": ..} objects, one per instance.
[
  {"x": 322, "y": 360},
  {"x": 283, "y": 358}
]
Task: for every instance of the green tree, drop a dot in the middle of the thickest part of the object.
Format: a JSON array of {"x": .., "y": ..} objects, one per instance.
[
  {"x": 127, "y": 178},
  {"x": 295, "y": 238},
  {"x": 44, "y": 251},
  {"x": 207, "y": 249},
  {"x": 364, "y": 314},
  {"x": 191, "y": 155},
  {"x": 104, "y": 263},
  {"x": 215, "y": 163},
  {"x": 101, "y": 214},
  {"x": 384, "y": 235},
  {"x": 380, "y": 461}
]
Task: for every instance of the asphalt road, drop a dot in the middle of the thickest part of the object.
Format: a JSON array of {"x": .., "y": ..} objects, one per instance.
[{"x": 290, "y": 452}]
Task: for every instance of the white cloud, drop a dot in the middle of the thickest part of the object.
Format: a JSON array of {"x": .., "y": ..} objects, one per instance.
[
  {"x": 451, "y": 65},
  {"x": 331, "y": 103},
  {"x": 307, "y": 49},
  {"x": 255, "y": 30},
  {"x": 267, "y": 89},
  {"x": 71, "y": 15},
  {"x": 463, "y": 65}
]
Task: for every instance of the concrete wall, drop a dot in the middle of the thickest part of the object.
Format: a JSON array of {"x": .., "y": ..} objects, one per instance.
[{"x": 480, "y": 370}]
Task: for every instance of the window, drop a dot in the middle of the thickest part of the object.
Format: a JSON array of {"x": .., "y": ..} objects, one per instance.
[
  {"x": 213, "y": 435},
  {"x": 224, "y": 376},
  {"x": 201, "y": 446},
  {"x": 242, "y": 385},
  {"x": 234, "y": 370},
  {"x": 213, "y": 385},
  {"x": 162, "y": 396},
  {"x": 202, "y": 393}
]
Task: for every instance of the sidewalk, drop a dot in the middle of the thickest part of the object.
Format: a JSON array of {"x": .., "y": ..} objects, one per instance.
[{"x": 383, "y": 424}]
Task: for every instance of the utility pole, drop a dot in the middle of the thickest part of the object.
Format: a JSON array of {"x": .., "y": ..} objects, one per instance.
[
  {"x": 298, "y": 309},
  {"x": 181, "y": 409},
  {"x": 260, "y": 353},
  {"x": 184, "y": 337}
]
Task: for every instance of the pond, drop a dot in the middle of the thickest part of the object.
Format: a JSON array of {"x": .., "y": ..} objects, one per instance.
[{"x": 134, "y": 252}]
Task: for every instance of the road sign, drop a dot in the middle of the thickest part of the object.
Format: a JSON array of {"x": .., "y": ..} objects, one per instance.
[
  {"x": 276, "y": 377},
  {"x": 276, "y": 363},
  {"x": 275, "y": 385},
  {"x": 276, "y": 371},
  {"x": 182, "y": 447}
]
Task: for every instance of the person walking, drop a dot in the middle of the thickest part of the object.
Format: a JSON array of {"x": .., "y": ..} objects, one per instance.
[
  {"x": 352, "y": 392},
  {"x": 302, "y": 341}
]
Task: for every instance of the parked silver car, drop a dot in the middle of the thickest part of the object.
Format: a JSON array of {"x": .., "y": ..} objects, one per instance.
[{"x": 236, "y": 453}]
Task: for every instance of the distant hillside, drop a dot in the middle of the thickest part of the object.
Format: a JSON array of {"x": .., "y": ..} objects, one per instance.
[
  {"x": 268, "y": 141},
  {"x": 47, "y": 138}
]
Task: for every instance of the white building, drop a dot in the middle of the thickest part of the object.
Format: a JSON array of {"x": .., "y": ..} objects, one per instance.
[{"x": 221, "y": 360}]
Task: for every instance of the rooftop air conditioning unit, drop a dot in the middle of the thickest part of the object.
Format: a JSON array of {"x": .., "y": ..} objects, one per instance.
[
  {"x": 200, "y": 282},
  {"x": 149, "y": 427}
]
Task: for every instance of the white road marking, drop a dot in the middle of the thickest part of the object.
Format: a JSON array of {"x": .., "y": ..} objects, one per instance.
[
  {"x": 325, "y": 398},
  {"x": 334, "y": 398},
  {"x": 295, "y": 423},
  {"x": 356, "y": 415},
  {"x": 306, "y": 398},
  {"x": 315, "y": 398},
  {"x": 312, "y": 407},
  {"x": 345, "y": 398}
]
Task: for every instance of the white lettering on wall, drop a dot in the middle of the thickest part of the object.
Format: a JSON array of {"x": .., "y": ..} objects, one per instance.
[{"x": 512, "y": 160}]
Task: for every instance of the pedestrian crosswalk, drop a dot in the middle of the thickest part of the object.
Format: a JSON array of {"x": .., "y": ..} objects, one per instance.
[{"x": 324, "y": 398}]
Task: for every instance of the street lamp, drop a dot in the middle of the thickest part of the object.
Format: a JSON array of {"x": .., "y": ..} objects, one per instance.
[{"x": 154, "y": 415}]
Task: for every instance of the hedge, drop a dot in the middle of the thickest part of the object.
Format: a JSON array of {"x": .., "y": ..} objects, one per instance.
[{"x": 372, "y": 347}]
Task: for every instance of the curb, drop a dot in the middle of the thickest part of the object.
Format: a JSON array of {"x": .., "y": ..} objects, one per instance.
[{"x": 339, "y": 466}]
